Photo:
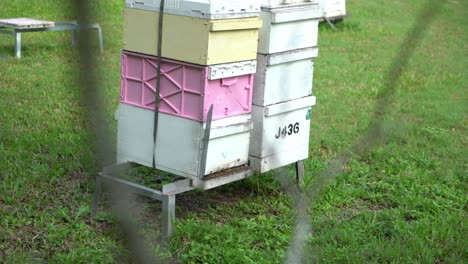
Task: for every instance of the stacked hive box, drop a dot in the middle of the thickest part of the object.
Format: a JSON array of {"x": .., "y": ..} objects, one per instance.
[
  {"x": 208, "y": 59},
  {"x": 282, "y": 97},
  {"x": 333, "y": 8}
]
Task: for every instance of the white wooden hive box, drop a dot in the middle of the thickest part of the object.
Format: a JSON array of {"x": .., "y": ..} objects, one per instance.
[
  {"x": 179, "y": 143},
  {"x": 288, "y": 28},
  {"x": 333, "y": 8},
  {"x": 281, "y": 134},
  {"x": 283, "y": 76}
]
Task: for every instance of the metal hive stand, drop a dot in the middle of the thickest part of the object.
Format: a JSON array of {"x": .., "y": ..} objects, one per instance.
[{"x": 168, "y": 192}]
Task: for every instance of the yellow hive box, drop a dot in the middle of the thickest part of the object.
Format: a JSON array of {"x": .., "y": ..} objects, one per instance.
[{"x": 189, "y": 39}]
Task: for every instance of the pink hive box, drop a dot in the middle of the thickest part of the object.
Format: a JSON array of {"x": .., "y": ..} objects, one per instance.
[{"x": 187, "y": 90}]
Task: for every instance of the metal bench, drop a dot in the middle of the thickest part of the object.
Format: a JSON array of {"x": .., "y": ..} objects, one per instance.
[{"x": 17, "y": 26}]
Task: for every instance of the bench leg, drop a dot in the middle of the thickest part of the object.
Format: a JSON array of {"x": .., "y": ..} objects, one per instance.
[{"x": 18, "y": 45}]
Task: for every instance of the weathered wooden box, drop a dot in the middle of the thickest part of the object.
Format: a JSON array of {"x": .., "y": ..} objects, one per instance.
[
  {"x": 289, "y": 28},
  {"x": 193, "y": 40},
  {"x": 187, "y": 90},
  {"x": 179, "y": 144},
  {"x": 283, "y": 76},
  {"x": 209, "y": 9},
  {"x": 281, "y": 134}
]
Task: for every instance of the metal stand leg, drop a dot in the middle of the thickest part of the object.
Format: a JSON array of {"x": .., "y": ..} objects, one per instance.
[
  {"x": 18, "y": 45},
  {"x": 329, "y": 23},
  {"x": 299, "y": 172},
  {"x": 168, "y": 215},
  {"x": 101, "y": 43},
  {"x": 97, "y": 196},
  {"x": 73, "y": 38},
  {"x": 167, "y": 195}
]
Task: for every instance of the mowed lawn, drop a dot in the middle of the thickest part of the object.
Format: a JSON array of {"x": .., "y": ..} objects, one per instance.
[{"x": 401, "y": 200}]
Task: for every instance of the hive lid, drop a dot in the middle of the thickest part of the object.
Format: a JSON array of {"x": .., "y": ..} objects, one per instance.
[
  {"x": 208, "y": 9},
  {"x": 282, "y": 3},
  {"x": 287, "y": 13}
]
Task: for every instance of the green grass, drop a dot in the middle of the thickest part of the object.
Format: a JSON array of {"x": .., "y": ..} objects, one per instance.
[{"x": 402, "y": 201}]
